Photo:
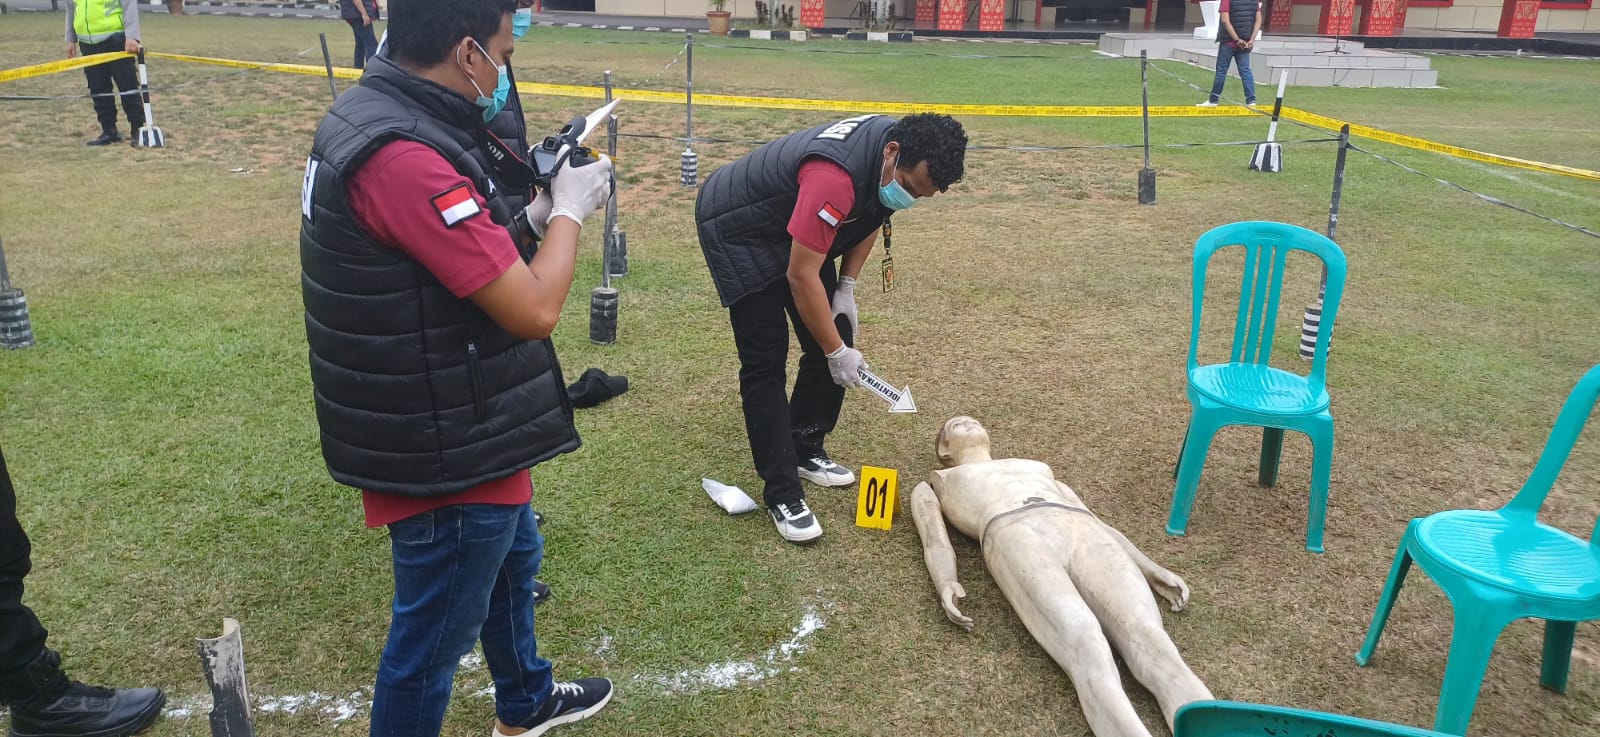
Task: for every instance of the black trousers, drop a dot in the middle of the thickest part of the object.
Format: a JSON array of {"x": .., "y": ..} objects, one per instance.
[
  {"x": 122, "y": 71},
  {"x": 21, "y": 635},
  {"x": 784, "y": 429}
]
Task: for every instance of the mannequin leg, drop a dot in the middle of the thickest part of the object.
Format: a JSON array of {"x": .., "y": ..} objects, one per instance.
[
  {"x": 1115, "y": 589},
  {"x": 1030, "y": 570}
]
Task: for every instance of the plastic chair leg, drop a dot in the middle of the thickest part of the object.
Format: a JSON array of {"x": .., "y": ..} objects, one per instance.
[
  {"x": 1195, "y": 447},
  {"x": 1391, "y": 591},
  {"x": 1271, "y": 451},
  {"x": 1321, "y": 470},
  {"x": 1557, "y": 654},
  {"x": 1477, "y": 627}
]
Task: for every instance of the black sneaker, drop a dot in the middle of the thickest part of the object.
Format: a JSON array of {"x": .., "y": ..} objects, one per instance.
[
  {"x": 822, "y": 471},
  {"x": 795, "y": 522},
  {"x": 85, "y": 711},
  {"x": 106, "y": 139},
  {"x": 569, "y": 702},
  {"x": 541, "y": 592}
]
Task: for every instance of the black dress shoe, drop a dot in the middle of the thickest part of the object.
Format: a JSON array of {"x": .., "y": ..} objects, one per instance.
[
  {"x": 82, "y": 711},
  {"x": 106, "y": 139}
]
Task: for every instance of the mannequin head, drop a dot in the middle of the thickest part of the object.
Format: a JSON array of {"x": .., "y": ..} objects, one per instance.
[{"x": 961, "y": 440}]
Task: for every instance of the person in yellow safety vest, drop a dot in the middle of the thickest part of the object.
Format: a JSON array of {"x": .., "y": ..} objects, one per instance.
[{"x": 97, "y": 27}]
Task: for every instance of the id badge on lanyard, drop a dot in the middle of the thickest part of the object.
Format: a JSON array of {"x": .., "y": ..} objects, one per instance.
[{"x": 888, "y": 258}]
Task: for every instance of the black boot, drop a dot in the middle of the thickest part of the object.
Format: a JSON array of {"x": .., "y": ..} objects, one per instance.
[
  {"x": 56, "y": 707},
  {"x": 107, "y": 137}
]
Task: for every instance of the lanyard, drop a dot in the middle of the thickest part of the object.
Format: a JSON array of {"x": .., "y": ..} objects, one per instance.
[{"x": 888, "y": 258}]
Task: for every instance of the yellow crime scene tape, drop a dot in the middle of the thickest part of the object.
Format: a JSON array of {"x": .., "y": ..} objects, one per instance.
[
  {"x": 65, "y": 65},
  {"x": 340, "y": 72},
  {"x": 864, "y": 106},
  {"x": 1399, "y": 139}
]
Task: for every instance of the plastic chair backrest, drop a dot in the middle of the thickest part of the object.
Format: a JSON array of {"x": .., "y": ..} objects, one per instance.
[
  {"x": 1569, "y": 425},
  {"x": 1267, "y": 246},
  {"x": 1239, "y": 719}
]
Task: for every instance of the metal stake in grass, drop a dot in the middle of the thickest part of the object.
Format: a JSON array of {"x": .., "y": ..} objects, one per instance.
[
  {"x": 603, "y": 300},
  {"x": 149, "y": 136},
  {"x": 16, "y": 330},
  {"x": 1268, "y": 157},
  {"x": 327, "y": 63},
  {"x": 616, "y": 241},
  {"x": 1311, "y": 323},
  {"x": 689, "y": 166},
  {"x": 1147, "y": 176}
]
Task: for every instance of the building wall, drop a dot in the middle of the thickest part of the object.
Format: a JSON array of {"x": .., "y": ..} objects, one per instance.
[
  {"x": 1461, "y": 15},
  {"x": 1484, "y": 15},
  {"x": 741, "y": 9}
]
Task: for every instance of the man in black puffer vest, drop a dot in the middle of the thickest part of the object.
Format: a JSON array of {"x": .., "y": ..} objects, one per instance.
[
  {"x": 436, "y": 384},
  {"x": 772, "y": 225},
  {"x": 1236, "y": 36}
]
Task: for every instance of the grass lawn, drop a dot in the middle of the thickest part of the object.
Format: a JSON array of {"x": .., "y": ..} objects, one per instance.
[{"x": 164, "y": 447}]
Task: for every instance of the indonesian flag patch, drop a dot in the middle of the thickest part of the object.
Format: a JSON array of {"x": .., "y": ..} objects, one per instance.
[
  {"x": 830, "y": 214},
  {"x": 455, "y": 205}
]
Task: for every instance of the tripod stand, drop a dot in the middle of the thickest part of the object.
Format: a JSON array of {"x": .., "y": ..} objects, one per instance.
[{"x": 1338, "y": 47}]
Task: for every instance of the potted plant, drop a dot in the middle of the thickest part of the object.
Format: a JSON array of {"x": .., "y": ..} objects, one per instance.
[{"x": 718, "y": 17}]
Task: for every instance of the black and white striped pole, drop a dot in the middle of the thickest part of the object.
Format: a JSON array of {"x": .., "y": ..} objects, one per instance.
[
  {"x": 1268, "y": 156},
  {"x": 1312, "y": 322},
  {"x": 148, "y": 135},
  {"x": 603, "y": 300},
  {"x": 689, "y": 166},
  {"x": 16, "y": 330},
  {"x": 1147, "y": 176},
  {"x": 616, "y": 241}
]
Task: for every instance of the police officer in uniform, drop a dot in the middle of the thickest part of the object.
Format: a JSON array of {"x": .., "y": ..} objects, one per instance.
[
  {"x": 98, "y": 27},
  {"x": 785, "y": 231}
]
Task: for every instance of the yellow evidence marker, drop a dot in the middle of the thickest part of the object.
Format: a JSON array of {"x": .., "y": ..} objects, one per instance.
[{"x": 875, "y": 503}]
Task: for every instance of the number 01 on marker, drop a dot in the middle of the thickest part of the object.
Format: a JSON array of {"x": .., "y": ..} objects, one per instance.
[{"x": 875, "y": 505}]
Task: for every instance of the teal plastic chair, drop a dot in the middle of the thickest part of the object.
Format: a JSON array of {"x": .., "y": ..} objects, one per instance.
[
  {"x": 1501, "y": 565},
  {"x": 1248, "y": 391},
  {"x": 1237, "y": 719}
]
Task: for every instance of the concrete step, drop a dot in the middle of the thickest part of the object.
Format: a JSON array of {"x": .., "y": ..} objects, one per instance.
[
  {"x": 1324, "y": 76},
  {"x": 1364, "y": 60},
  {"x": 1161, "y": 45}
]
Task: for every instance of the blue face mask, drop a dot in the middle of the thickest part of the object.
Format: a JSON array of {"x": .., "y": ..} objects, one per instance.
[
  {"x": 521, "y": 21},
  {"x": 892, "y": 195},
  {"x": 502, "y": 90}
]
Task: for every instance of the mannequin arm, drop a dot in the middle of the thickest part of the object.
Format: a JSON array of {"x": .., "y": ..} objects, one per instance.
[
  {"x": 1164, "y": 582},
  {"x": 937, "y": 552}
]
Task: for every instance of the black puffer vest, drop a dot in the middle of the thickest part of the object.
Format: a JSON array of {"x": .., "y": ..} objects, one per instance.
[
  {"x": 744, "y": 208},
  {"x": 418, "y": 392},
  {"x": 1242, "y": 14}
]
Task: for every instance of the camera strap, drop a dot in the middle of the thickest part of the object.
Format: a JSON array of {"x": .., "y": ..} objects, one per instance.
[{"x": 509, "y": 167}]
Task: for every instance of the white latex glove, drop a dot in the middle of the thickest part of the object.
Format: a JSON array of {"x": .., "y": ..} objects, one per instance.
[
  {"x": 844, "y": 303},
  {"x": 576, "y": 192},
  {"x": 538, "y": 212},
  {"x": 845, "y": 364}
]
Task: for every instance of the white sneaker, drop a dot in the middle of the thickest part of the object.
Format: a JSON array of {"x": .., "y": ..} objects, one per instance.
[
  {"x": 822, "y": 471},
  {"x": 795, "y": 522},
  {"x": 1207, "y": 103}
]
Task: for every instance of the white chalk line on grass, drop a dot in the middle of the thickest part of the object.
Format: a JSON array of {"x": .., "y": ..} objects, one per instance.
[{"x": 773, "y": 662}]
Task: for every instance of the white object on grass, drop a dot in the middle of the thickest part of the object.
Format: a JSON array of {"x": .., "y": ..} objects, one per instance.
[{"x": 731, "y": 498}]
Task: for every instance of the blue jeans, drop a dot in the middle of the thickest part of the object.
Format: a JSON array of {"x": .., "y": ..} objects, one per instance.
[
  {"x": 461, "y": 574},
  {"x": 1225, "y": 55},
  {"x": 366, "y": 42}
]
